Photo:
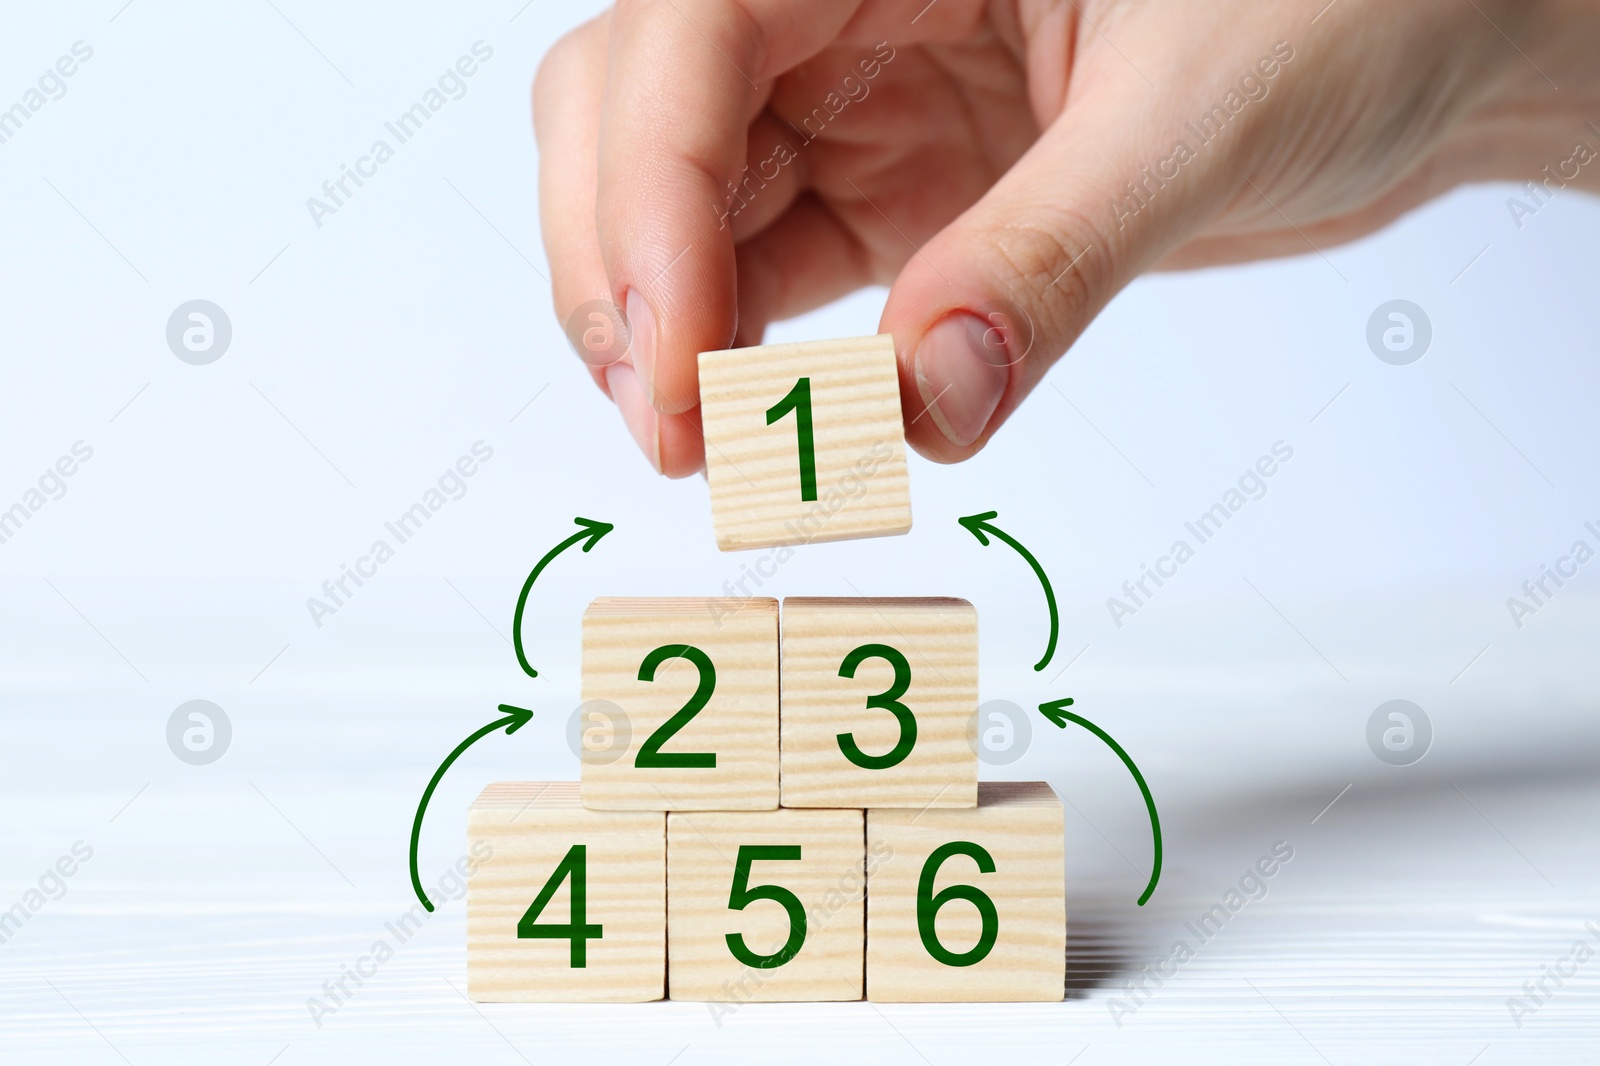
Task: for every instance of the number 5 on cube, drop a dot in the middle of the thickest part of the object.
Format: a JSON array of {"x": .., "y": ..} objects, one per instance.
[{"x": 765, "y": 905}]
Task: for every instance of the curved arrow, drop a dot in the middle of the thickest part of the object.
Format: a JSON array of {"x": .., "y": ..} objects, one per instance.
[
  {"x": 1056, "y": 711},
  {"x": 515, "y": 719},
  {"x": 589, "y": 534},
  {"x": 980, "y": 526}
]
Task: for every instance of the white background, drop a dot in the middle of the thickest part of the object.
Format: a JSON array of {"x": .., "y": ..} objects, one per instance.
[{"x": 368, "y": 354}]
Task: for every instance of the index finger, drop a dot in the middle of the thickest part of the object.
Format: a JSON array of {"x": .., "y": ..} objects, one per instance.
[{"x": 683, "y": 77}]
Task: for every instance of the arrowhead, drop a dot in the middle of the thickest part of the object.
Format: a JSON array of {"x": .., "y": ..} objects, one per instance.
[
  {"x": 1055, "y": 710},
  {"x": 516, "y": 717},
  {"x": 978, "y": 525},
  {"x": 594, "y": 530}
]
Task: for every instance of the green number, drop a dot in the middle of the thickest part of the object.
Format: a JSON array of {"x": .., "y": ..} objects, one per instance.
[
  {"x": 887, "y": 700},
  {"x": 650, "y": 753},
  {"x": 799, "y": 401},
  {"x": 577, "y": 928},
  {"x": 928, "y": 904},
  {"x": 742, "y": 895}
]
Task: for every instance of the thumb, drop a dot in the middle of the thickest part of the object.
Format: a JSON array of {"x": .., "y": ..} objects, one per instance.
[{"x": 985, "y": 308}]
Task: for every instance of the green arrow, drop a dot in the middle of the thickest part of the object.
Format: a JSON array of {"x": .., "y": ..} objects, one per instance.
[
  {"x": 1056, "y": 711},
  {"x": 979, "y": 525},
  {"x": 589, "y": 534},
  {"x": 515, "y": 719}
]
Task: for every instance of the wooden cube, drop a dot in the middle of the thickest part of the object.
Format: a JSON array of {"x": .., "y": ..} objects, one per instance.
[
  {"x": 600, "y": 874},
  {"x": 765, "y": 905},
  {"x": 879, "y": 702},
  {"x": 695, "y": 684},
  {"x": 804, "y": 442},
  {"x": 968, "y": 905}
]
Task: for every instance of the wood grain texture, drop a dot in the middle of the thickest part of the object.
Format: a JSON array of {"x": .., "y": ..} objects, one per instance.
[
  {"x": 828, "y": 878},
  {"x": 1019, "y": 823},
  {"x": 753, "y": 468},
  {"x": 739, "y": 724},
  {"x": 528, "y": 828},
  {"x": 939, "y": 639}
]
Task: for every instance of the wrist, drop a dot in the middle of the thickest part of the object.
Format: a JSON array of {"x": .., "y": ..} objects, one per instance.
[{"x": 1560, "y": 48}]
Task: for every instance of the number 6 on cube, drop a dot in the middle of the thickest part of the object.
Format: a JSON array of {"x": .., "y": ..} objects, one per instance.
[{"x": 973, "y": 905}]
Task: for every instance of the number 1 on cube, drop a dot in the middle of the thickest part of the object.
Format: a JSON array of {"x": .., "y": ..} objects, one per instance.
[{"x": 798, "y": 400}]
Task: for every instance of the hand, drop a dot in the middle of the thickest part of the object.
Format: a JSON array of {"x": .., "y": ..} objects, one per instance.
[{"x": 716, "y": 165}]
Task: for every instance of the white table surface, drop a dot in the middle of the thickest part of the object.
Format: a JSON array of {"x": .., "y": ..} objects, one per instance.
[{"x": 220, "y": 898}]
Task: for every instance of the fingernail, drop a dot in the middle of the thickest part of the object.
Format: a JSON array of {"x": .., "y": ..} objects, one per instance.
[
  {"x": 642, "y": 338},
  {"x": 959, "y": 384},
  {"x": 642, "y": 420}
]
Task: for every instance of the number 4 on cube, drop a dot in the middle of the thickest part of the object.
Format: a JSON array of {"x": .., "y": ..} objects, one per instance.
[{"x": 570, "y": 905}]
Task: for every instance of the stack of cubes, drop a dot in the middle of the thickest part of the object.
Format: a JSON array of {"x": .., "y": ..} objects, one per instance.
[
  {"x": 766, "y": 812},
  {"x": 731, "y": 844}
]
